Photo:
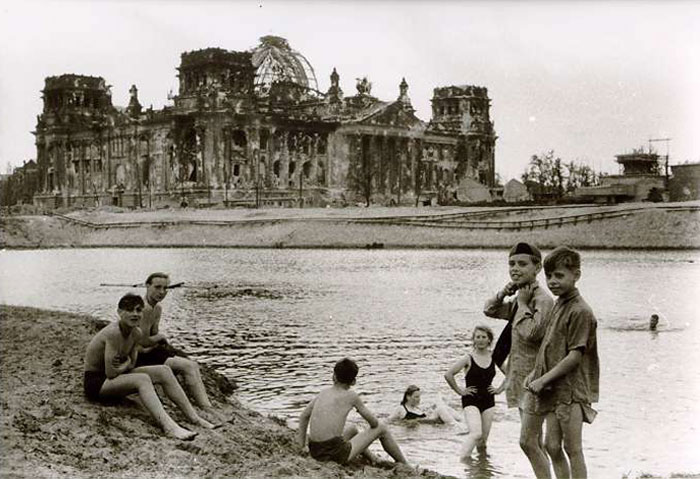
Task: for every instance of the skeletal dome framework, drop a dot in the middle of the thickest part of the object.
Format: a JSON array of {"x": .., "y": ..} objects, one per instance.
[{"x": 275, "y": 61}]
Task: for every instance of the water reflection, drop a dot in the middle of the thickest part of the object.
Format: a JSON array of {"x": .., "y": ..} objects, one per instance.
[
  {"x": 480, "y": 467},
  {"x": 277, "y": 321}
]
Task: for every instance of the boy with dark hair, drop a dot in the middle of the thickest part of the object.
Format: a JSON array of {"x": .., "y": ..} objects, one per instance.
[
  {"x": 564, "y": 381},
  {"x": 110, "y": 370},
  {"x": 325, "y": 416}
]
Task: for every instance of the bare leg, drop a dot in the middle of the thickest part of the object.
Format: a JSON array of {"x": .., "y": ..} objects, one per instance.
[
  {"x": 553, "y": 445},
  {"x": 472, "y": 417},
  {"x": 530, "y": 432},
  {"x": 486, "y": 421},
  {"x": 193, "y": 379},
  {"x": 540, "y": 438},
  {"x": 351, "y": 431},
  {"x": 445, "y": 412},
  {"x": 128, "y": 383},
  {"x": 362, "y": 440},
  {"x": 573, "y": 442},
  {"x": 164, "y": 376}
]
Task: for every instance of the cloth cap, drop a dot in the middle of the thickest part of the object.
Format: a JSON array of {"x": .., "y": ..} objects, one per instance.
[{"x": 526, "y": 248}]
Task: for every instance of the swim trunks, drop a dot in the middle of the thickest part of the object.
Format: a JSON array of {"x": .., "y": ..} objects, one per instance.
[
  {"x": 480, "y": 378},
  {"x": 412, "y": 415},
  {"x": 92, "y": 384},
  {"x": 155, "y": 357},
  {"x": 335, "y": 449}
]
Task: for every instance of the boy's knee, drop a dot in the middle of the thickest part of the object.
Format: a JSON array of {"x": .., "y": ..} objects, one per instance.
[
  {"x": 382, "y": 428},
  {"x": 553, "y": 448},
  {"x": 165, "y": 372},
  {"x": 529, "y": 444},
  {"x": 352, "y": 430},
  {"x": 191, "y": 365},
  {"x": 141, "y": 380},
  {"x": 573, "y": 449},
  {"x": 476, "y": 435}
]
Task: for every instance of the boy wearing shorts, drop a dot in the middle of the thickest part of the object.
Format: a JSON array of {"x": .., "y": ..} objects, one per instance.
[
  {"x": 564, "y": 381},
  {"x": 325, "y": 416},
  {"x": 527, "y": 316}
]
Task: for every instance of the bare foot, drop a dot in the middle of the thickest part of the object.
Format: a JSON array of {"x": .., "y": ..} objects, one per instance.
[
  {"x": 213, "y": 416},
  {"x": 181, "y": 433},
  {"x": 205, "y": 423}
]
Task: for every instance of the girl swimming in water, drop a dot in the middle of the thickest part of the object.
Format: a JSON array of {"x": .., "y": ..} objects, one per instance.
[
  {"x": 478, "y": 395},
  {"x": 410, "y": 409}
]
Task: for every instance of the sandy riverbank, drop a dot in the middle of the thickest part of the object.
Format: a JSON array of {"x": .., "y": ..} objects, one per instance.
[
  {"x": 328, "y": 228},
  {"x": 49, "y": 430}
]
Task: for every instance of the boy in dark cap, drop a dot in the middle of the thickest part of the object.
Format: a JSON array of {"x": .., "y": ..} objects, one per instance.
[{"x": 527, "y": 316}]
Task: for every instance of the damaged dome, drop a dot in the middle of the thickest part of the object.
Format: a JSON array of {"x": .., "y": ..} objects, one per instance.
[{"x": 275, "y": 61}]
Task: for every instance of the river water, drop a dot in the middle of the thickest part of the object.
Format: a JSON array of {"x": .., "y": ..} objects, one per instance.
[{"x": 405, "y": 316}]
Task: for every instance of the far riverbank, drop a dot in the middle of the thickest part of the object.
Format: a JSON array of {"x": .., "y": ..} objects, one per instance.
[{"x": 640, "y": 226}]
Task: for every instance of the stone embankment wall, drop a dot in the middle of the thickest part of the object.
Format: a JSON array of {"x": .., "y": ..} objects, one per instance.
[{"x": 662, "y": 228}]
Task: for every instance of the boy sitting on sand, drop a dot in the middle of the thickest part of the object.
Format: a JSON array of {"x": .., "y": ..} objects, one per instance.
[
  {"x": 155, "y": 349},
  {"x": 564, "y": 381},
  {"x": 110, "y": 373},
  {"x": 329, "y": 439}
]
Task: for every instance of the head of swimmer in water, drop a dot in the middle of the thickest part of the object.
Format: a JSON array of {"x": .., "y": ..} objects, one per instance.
[
  {"x": 653, "y": 321},
  {"x": 482, "y": 337},
  {"x": 411, "y": 396}
]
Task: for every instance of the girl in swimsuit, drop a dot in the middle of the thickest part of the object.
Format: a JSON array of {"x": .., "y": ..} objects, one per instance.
[
  {"x": 410, "y": 410},
  {"x": 478, "y": 395}
]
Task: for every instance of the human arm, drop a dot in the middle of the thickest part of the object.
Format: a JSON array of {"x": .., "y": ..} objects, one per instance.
[
  {"x": 496, "y": 307},
  {"x": 152, "y": 335},
  {"x": 115, "y": 363},
  {"x": 304, "y": 425},
  {"x": 502, "y": 387},
  {"x": 532, "y": 316},
  {"x": 580, "y": 330},
  {"x": 456, "y": 367},
  {"x": 364, "y": 412},
  {"x": 563, "y": 367}
]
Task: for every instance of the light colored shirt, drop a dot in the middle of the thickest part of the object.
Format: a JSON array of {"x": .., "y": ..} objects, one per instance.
[{"x": 528, "y": 328}]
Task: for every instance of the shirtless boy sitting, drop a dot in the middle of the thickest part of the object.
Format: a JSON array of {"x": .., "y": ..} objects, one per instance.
[
  {"x": 329, "y": 439},
  {"x": 110, "y": 373},
  {"x": 154, "y": 344}
]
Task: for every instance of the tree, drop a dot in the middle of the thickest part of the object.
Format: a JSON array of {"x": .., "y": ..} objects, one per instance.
[{"x": 548, "y": 176}]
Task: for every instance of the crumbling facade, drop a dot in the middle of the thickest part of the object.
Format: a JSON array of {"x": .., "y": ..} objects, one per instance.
[{"x": 252, "y": 128}]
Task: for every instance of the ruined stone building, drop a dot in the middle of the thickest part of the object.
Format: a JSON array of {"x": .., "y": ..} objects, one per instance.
[{"x": 251, "y": 127}]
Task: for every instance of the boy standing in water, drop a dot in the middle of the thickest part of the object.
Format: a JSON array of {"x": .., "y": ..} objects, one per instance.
[
  {"x": 564, "y": 381},
  {"x": 526, "y": 315},
  {"x": 154, "y": 344},
  {"x": 325, "y": 416}
]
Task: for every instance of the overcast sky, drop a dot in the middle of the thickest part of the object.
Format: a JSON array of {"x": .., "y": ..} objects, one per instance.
[{"x": 589, "y": 80}]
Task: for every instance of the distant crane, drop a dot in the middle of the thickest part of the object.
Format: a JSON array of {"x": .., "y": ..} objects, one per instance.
[{"x": 667, "y": 140}]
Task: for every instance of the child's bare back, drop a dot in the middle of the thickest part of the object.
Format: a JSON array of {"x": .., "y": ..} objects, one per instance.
[{"x": 330, "y": 410}]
